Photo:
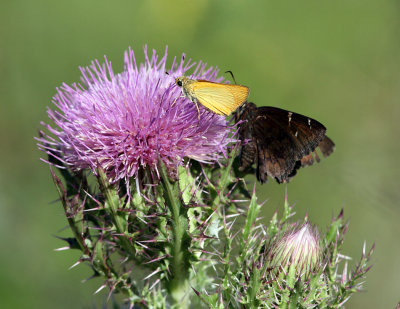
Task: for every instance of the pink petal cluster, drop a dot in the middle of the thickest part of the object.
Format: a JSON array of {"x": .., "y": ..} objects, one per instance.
[
  {"x": 124, "y": 122},
  {"x": 298, "y": 248}
]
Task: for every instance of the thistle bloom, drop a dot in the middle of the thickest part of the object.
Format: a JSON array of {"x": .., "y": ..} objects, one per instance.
[
  {"x": 298, "y": 248},
  {"x": 124, "y": 122}
]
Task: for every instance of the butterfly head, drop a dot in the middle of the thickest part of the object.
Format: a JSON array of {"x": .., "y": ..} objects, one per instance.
[
  {"x": 182, "y": 81},
  {"x": 245, "y": 111}
]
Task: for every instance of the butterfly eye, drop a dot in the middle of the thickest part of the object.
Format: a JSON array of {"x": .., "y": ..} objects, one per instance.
[{"x": 179, "y": 83}]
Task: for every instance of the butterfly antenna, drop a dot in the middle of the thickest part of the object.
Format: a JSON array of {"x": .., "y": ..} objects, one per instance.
[{"x": 233, "y": 77}]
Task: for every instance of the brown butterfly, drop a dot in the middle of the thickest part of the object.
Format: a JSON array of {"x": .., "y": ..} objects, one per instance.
[{"x": 279, "y": 141}]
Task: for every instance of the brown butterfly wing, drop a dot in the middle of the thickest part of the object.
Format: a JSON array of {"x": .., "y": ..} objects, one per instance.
[
  {"x": 326, "y": 146},
  {"x": 277, "y": 140},
  {"x": 248, "y": 151}
]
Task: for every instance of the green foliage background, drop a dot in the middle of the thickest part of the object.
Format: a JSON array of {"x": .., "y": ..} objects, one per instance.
[{"x": 336, "y": 61}]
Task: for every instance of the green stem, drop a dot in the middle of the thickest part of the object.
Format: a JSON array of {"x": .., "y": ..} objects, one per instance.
[
  {"x": 225, "y": 179},
  {"x": 255, "y": 286},
  {"x": 112, "y": 204},
  {"x": 178, "y": 285}
]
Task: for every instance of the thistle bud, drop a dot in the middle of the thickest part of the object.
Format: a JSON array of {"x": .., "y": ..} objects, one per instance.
[{"x": 297, "y": 252}]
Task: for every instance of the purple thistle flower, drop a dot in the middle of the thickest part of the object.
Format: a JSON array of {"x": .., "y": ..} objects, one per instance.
[{"x": 124, "y": 122}]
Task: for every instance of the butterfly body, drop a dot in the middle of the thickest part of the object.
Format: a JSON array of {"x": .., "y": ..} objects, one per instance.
[
  {"x": 279, "y": 141},
  {"x": 222, "y": 99}
]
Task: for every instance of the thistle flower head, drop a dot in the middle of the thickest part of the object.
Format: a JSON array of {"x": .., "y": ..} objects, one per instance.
[
  {"x": 124, "y": 122},
  {"x": 299, "y": 249}
]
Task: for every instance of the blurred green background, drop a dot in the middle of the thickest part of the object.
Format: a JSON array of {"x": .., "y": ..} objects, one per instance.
[{"x": 336, "y": 61}]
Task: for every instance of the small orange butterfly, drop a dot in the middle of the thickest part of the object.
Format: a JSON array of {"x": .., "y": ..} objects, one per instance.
[{"x": 222, "y": 99}]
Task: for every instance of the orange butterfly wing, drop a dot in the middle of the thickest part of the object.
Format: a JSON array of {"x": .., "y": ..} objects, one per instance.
[{"x": 222, "y": 99}]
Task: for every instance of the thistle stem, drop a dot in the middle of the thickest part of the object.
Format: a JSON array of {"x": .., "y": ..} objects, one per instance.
[
  {"x": 178, "y": 285},
  {"x": 112, "y": 203}
]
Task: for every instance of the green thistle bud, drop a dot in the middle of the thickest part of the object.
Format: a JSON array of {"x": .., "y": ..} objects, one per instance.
[{"x": 297, "y": 253}]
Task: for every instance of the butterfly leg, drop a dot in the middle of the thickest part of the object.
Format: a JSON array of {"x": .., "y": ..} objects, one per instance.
[
  {"x": 173, "y": 103},
  {"x": 198, "y": 110},
  {"x": 182, "y": 96}
]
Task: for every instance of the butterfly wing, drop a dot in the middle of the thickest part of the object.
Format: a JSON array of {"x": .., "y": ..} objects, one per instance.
[
  {"x": 326, "y": 146},
  {"x": 281, "y": 140},
  {"x": 222, "y": 99}
]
